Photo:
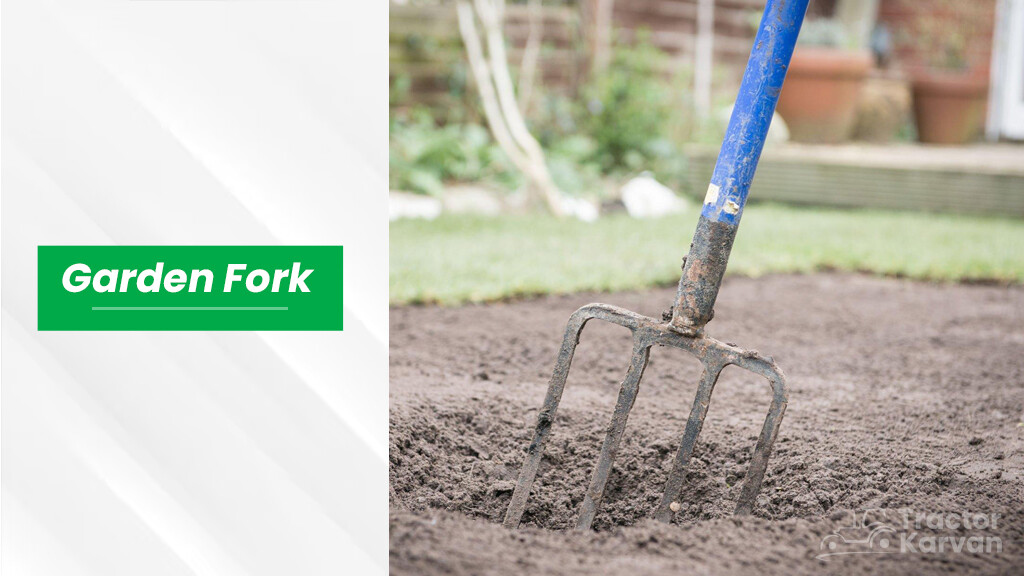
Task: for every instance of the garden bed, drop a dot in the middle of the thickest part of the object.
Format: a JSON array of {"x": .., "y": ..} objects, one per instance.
[{"x": 903, "y": 395}]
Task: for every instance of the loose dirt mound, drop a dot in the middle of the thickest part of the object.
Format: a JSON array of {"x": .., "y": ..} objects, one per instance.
[{"x": 902, "y": 396}]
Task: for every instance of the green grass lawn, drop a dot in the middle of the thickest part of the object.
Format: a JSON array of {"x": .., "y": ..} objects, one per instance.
[{"x": 469, "y": 259}]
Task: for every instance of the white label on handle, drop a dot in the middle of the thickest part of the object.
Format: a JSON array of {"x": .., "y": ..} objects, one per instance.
[{"x": 712, "y": 195}]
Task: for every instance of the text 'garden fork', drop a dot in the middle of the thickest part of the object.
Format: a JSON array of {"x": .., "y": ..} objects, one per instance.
[{"x": 703, "y": 269}]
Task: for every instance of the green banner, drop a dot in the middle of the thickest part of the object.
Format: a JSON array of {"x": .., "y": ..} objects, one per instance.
[{"x": 190, "y": 288}]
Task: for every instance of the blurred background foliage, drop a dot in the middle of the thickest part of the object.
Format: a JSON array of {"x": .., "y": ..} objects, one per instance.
[{"x": 630, "y": 117}]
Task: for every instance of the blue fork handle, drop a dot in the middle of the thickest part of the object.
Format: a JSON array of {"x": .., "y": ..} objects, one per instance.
[
  {"x": 737, "y": 161},
  {"x": 752, "y": 114}
]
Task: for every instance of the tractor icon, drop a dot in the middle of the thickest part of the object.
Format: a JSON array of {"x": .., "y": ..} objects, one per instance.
[{"x": 868, "y": 533}]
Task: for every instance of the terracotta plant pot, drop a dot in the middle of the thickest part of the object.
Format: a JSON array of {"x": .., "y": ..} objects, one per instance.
[
  {"x": 949, "y": 108},
  {"x": 819, "y": 98}
]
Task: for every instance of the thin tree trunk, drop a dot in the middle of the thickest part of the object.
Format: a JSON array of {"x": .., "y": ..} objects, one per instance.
[
  {"x": 858, "y": 18},
  {"x": 498, "y": 98},
  {"x": 703, "y": 56},
  {"x": 528, "y": 67},
  {"x": 603, "y": 13},
  {"x": 490, "y": 16},
  {"x": 482, "y": 75}
]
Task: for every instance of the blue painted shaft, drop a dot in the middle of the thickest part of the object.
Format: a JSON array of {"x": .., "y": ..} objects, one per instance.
[
  {"x": 741, "y": 149},
  {"x": 752, "y": 114}
]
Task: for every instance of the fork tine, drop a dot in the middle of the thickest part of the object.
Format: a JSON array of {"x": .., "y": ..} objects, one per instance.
[
  {"x": 693, "y": 426},
  {"x": 770, "y": 430},
  {"x": 627, "y": 395},
  {"x": 647, "y": 332},
  {"x": 544, "y": 420}
]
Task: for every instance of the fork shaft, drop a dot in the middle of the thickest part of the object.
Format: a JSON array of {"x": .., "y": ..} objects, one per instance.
[
  {"x": 737, "y": 161},
  {"x": 702, "y": 275}
]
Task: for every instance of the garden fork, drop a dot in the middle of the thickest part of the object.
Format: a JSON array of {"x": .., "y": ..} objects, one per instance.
[{"x": 703, "y": 269}]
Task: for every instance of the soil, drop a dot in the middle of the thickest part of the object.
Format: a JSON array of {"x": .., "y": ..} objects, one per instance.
[{"x": 905, "y": 398}]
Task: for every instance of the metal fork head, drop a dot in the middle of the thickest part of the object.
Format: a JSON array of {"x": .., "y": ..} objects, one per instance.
[{"x": 647, "y": 332}]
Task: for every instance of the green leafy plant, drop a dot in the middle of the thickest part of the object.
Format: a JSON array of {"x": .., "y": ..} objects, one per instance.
[
  {"x": 424, "y": 156},
  {"x": 554, "y": 117},
  {"x": 570, "y": 161},
  {"x": 635, "y": 112},
  {"x": 626, "y": 106},
  {"x": 398, "y": 90},
  {"x": 627, "y": 119}
]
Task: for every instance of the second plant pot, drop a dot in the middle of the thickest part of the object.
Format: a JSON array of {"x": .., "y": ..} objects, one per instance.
[
  {"x": 949, "y": 108},
  {"x": 819, "y": 98}
]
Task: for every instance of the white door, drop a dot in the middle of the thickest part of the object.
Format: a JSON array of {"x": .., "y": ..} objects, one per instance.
[{"x": 1006, "y": 100}]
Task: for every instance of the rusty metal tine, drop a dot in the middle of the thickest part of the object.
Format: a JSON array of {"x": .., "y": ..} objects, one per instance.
[
  {"x": 693, "y": 426},
  {"x": 770, "y": 430},
  {"x": 545, "y": 419},
  {"x": 647, "y": 332},
  {"x": 610, "y": 447}
]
